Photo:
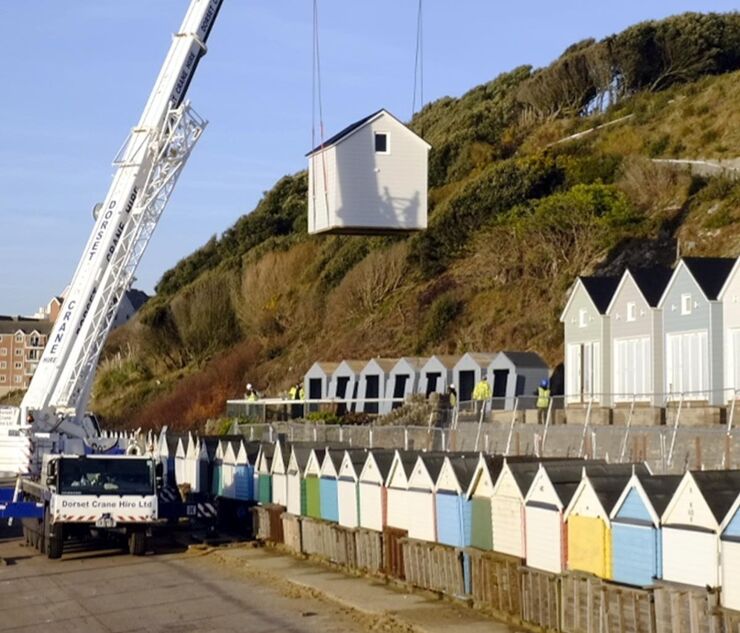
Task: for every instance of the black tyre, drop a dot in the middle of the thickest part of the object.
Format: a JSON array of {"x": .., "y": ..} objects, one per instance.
[
  {"x": 55, "y": 541},
  {"x": 137, "y": 543}
]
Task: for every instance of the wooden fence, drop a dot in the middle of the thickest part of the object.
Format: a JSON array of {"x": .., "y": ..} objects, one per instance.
[
  {"x": 541, "y": 598},
  {"x": 495, "y": 582},
  {"x": 682, "y": 609},
  {"x": 261, "y": 523},
  {"x": 591, "y": 605},
  {"x": 433, "y": 566},
  {"x": 393, "y": 553},
  {"x": 329, "y": 541},
  {"x": 292, "y": 532},
  {"x": 568, "y": 603},
  {"x": 368, "y": 551}
]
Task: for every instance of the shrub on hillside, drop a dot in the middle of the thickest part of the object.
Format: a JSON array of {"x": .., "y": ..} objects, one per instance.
[
  {"x": 204, "y": 315},
  {"x": 201, "y": 396},
  {"x": 370, "y": 283},
  {"x": 563, "y": 233},
  {"x": 498, "y": 188},
  {"x": 437, "y": 321}
]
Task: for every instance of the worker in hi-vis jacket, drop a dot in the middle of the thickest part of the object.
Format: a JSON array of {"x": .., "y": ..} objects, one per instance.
[
  {"x": 481, "y": 394},
  {"x": 543, "y": 401}
]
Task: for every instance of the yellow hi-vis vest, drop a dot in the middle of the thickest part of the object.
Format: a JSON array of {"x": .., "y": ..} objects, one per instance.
[
  {"x": 543, "y": 398},
  {"x": 482, "y": 391}
]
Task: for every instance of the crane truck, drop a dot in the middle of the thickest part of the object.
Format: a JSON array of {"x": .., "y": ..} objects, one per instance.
[{"x": 68, "y": 478}]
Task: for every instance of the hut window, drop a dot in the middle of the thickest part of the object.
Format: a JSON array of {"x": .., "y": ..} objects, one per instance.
[
  {"x": 381, "y": 143},
  {"x": 631, "y": 311},
  {"x": 582, "y": 318},
  {"x": 686, "y": 304}
]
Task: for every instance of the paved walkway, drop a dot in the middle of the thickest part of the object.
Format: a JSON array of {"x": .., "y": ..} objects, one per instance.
[
  {"x": 382, "y": 604},
  {"x": 91, "y": 591}
]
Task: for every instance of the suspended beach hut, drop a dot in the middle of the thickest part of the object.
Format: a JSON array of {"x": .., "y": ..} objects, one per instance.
[
  {"x": 468, "y": 371},
  {"x": 437, "y": 374},
  {"x": 420, "y": 496},
  {"x": 328, "y": 490},
  {"x": 404, "y": 378},
  {"x": 372, "y": 491},
  {"x": 453, "y": 509},
  {"x": 397, "y": 484},
  {"x": 636, "y": 530},
  {"x": 347, "y": 492},
  {"x": 370, "y": 178},
  {"x": 373, "y": 384},
  {"x": 691, "y": 525}
]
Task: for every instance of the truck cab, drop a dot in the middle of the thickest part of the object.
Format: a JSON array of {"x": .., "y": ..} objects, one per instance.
[{"x": 83, "y": 494}]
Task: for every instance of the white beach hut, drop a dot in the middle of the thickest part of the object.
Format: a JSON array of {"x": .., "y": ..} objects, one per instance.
[
  {"x": 347, "y": 494},
  {"x": 420, "y": 496},
  {"x": 345, "y": 383},
  {"x": 404, "y": 378},
  {"x": 691, "y": 526},
  {"x": 437, "y": 374},
  {"x": 316, "y": 383},
  {"x": 469, "y": 370},
  {"x": 279, "y": 472},
  {"x": 370, "y": 178},
  {"x": 373, "y": 385},
  {"x": 372, "y": 491},
  {"x": 397, "y": 484},
  {"x": 730, "y": 556}
]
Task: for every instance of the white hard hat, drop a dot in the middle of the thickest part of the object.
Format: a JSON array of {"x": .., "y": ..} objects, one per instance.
[
  {"x": 452, "y": 386},
  {"x": 249, "y": 385}
]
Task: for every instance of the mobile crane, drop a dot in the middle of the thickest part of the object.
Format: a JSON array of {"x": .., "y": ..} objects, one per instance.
[{"x": 67, "y": 481}]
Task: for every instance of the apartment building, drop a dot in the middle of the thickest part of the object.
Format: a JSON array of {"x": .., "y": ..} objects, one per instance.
[{"x": 22, "y": 342}]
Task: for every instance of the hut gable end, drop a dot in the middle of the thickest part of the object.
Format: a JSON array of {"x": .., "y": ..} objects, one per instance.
[{"x": 688, "y": 507}]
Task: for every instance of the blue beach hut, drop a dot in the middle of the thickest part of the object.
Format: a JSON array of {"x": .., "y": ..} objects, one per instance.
[
  {"x": 328, "y": 500},
  {"x": 636, "y": 535}
]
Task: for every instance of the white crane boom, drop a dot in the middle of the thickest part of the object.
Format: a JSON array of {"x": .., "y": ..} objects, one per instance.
[{"x": 147, "y": 168}]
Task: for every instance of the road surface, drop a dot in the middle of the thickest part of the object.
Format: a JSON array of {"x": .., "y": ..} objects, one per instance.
[{"x": 175, "y": 591}]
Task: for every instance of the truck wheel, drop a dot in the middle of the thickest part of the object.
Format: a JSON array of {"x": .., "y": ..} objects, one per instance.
[
  {"x": 137, "y": 543},
  {"x": 55, "y": 541}
]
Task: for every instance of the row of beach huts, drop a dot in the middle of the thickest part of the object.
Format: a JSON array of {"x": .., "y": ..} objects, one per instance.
[
  {"x": 380, "y": 384},
  {"x": 561, "y": 519}
]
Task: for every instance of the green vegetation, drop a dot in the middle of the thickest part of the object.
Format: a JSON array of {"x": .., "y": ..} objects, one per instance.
[{"x": 518, "y": 208}]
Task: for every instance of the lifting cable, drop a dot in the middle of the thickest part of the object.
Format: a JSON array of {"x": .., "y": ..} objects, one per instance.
[
  {"x": 317, "y": 102},
  {"x": 418, "y": 62}
]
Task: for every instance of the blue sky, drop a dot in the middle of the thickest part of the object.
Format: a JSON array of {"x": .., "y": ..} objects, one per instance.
[{"x": 76, "y": 74}]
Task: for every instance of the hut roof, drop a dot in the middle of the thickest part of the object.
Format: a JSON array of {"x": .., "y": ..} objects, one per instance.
[
  {"x": 719, "y": 488},
  {"x": 660, "y": 489},
  {"x": 710, "y": 273}
]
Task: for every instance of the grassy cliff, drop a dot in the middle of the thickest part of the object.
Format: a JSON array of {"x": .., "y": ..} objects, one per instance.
[{"x": 516, "y": 212}]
